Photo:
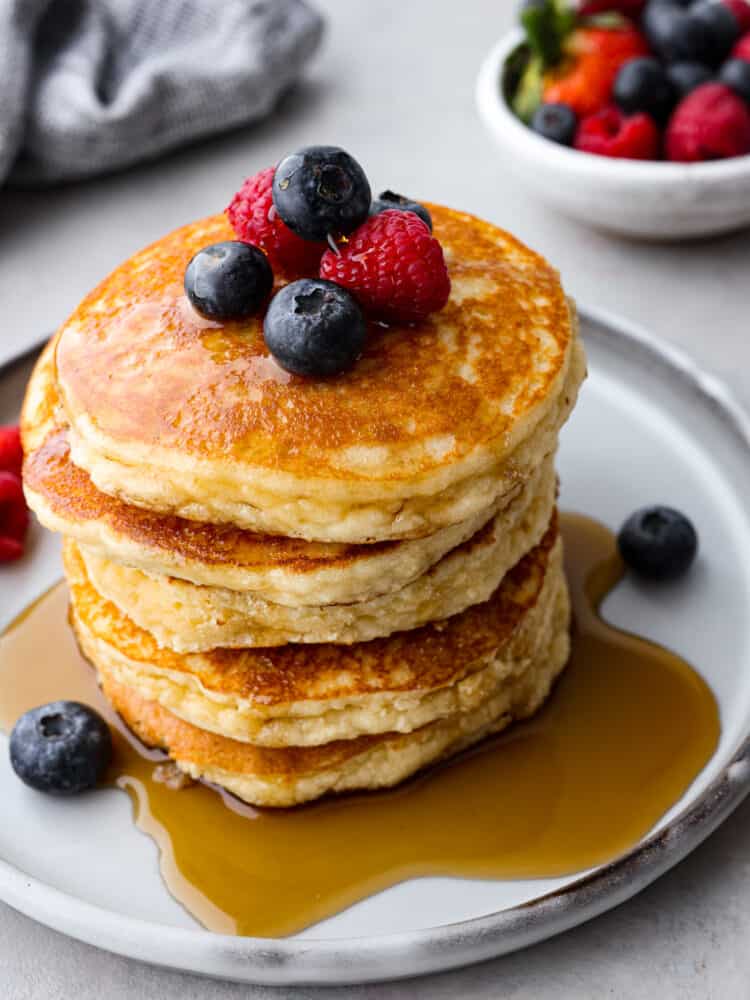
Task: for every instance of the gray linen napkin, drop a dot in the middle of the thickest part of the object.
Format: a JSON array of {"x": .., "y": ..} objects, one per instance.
[{"x": 94, "y": 85}]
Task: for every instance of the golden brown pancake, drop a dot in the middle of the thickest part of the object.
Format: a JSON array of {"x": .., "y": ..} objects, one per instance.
[
  {"x": 182, "y": 415},
  {"x": 301, "y": 586},
  {"x": 189, "y": 618},
  {"x": 289, "y": 776},
  {"x": 287, "y": 571},
  {"x": 434, "y": 721},
  {"x": 313, "y": 694}
]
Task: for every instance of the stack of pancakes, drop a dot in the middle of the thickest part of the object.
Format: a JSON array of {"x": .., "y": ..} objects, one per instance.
[{"x": 297, "y": 586}]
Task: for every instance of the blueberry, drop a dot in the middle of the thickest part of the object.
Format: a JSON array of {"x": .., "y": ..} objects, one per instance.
[
  {"x": 642, "y": 85},
  {"x": 62, "y": 748},
  {"x": 321, "y": 190},
  {"x": 557, "y": 122},
  {"x": 658, "y": 542},
  {"x": 389, "y": 199},
  {"x": 228, "y": 280},
  {"x": 686, "y": 76},
  {"x": 674, "y": 34},
  {"x": 719, "y": 27},
  {"x": 314, "y": 327},
  {"x": 736, "y": 74}
]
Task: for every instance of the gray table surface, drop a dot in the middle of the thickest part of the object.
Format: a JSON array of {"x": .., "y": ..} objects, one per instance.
[{"x": 394, "y": 84}]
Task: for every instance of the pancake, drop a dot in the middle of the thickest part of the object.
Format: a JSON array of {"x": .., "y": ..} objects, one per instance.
[
  {"x": 287, "y": 571},
  {"x": 182, "y": 415},
  {"x": 303, "y": 695},
  {"x": 286, "y": 777},
  {"x": 189, "y": 618}
]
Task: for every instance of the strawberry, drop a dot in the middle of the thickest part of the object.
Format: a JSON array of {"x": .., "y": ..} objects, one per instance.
[
  {"x": 629, "y": 8},
  {"x": 585, "y": 77}
]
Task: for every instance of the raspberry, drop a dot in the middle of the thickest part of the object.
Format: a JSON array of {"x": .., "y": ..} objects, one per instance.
[
  {"x": 611, "y": 133},
  {"x": 14, "y": 517},
  {"x": 255, "y": 220},
  {"x": 711, "y": 123},
  {"x": 11, "y": 453},
  {"x": 741, "y": 11},
  {"x": 742, "y": 48},
  {"x": 393, "y": 265}
]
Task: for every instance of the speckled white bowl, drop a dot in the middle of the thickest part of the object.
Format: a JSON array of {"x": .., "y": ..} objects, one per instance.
[{"x": 647, "y": 200}]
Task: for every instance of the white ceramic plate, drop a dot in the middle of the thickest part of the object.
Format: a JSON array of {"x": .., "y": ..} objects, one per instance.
[{"x": 649, "y": 428}]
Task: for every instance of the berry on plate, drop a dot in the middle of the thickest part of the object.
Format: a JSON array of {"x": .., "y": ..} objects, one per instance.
[
  {"x": 62, "y": 748},
  {"x": 14, "y": 517},
  {"x": 394, "y": 266},
  {"x": 735, "y": 73},
  {"x": 228, "y": 280},
  {"x": 11, "y": 452},
  {"x": 389, "y": 199},
  {"x": 320, "y": 191},
  {"x": 593, "y": 56},
  {"x": 255, "y": 220},
  {"x": 642, "y": 85},
  {"x": 658, "y": 542},
  {"x": 686, "y": 76},
  {"x": 611, "y": 133},
  {"x": 711, "y": 123},
  {"x": 556, "y": 122},
  {"x": 314, "y": 327}
]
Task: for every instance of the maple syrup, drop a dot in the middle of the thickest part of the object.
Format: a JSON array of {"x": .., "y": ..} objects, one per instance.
[{"x": 627, "y": 728}]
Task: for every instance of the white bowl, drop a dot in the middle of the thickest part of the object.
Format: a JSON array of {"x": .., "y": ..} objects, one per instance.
[{"x": 649, "y": 200}]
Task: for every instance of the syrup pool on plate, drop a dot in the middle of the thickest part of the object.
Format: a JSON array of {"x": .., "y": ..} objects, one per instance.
[{"x": 627, "y": 728}]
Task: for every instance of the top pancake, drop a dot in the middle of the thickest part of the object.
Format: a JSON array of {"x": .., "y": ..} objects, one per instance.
[
  {"x": 180, "y": 414},
  {"x": 275, "y": 568}
]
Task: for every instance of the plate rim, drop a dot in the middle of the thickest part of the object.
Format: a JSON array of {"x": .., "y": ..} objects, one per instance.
[{"x": 291, "y": 961}]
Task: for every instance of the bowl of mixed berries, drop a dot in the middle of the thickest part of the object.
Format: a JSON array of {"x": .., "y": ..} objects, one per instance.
[{"x": 631, "y": 115}]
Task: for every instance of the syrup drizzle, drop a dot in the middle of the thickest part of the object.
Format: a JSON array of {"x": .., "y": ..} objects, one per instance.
[{"x": 627, "y": 728}]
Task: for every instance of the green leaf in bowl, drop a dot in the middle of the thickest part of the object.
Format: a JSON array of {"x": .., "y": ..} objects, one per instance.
[
  {"x": 547, "y": 23},
  {"x": 528, "y": 93}
]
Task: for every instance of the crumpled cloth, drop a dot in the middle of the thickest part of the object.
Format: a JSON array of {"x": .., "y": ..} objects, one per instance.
[{"x": 88, "y": 86}]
